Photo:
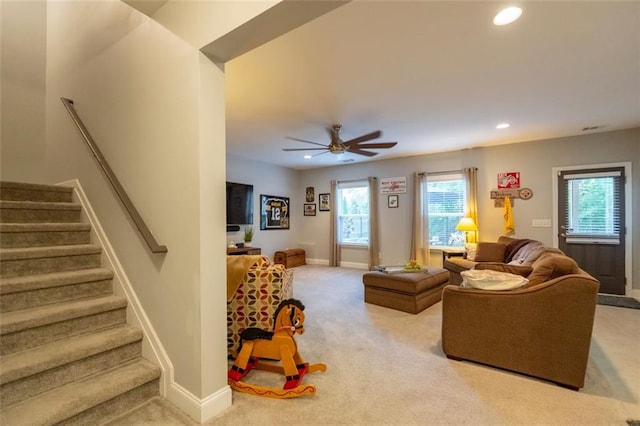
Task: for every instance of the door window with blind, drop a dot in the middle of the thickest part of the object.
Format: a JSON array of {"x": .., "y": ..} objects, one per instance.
[
  {"x": 446, "y": 201},
  {"x": 593, "y": 207}
]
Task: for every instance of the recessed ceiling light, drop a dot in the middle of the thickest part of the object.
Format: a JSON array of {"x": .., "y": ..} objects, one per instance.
[
  {"x": 507, "y": 16},
  {"x": 502, "y": 126},
  {"x": 307, "y": 156}
]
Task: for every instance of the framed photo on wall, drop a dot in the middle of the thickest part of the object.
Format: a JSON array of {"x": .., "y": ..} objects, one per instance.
[
  {"x": 324, "y": 201},
  {"x": 310, "y": 209},
  {"x": 392, "y": 201},
  {"x": 274, "y": 212},
  {"x": 310, "y": 194}
]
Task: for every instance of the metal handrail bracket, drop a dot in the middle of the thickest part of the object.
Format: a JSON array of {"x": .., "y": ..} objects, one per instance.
[{"x": 124, "y": 198}]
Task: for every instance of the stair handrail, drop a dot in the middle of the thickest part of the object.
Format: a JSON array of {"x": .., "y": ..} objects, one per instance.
[{"x": 122, "y": 194}]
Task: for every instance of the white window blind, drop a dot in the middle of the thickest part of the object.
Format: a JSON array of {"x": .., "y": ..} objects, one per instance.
[
  {"x": 593, "y": 206},
  {"x": 446, "y": 201}
]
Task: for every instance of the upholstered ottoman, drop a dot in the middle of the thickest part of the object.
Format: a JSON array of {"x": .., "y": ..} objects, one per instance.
[{"x": 411, "y": 292}]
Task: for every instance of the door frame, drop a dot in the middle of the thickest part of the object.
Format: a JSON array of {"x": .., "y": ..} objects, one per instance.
[{"x": 628, "y": 263}]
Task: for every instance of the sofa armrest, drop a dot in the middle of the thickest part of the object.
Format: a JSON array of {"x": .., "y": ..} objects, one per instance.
[{"x": 543, "y": 331}]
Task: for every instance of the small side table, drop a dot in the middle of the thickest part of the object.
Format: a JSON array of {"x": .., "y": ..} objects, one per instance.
[{"x": 447, "y": 253}]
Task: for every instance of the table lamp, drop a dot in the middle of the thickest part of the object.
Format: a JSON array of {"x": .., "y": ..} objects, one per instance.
[{"x": 466, "y": 225}]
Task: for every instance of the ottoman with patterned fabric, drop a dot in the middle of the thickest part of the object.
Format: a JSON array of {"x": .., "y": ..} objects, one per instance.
[
  {"x": 411, "y": 292},
  {"x": 253, "y": 304}
]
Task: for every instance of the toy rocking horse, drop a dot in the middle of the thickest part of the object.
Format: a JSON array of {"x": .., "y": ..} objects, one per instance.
[{"x": 277, "y": 345}]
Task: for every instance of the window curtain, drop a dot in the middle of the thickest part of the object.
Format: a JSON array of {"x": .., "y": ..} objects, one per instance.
[
  {"x": 419, "y": 226},
  {"x": 374, "y": 226},
  {"x": 334, "y": 250},
  {"x": 471, "y": 210}
]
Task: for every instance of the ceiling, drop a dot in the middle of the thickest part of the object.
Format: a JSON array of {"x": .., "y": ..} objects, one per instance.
[{"x": 435, "y": 76}]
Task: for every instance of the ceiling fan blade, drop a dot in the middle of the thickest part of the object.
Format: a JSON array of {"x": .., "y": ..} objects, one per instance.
[
  {"x": 302, "y": 140},
  {"x": 363, "y": 138},
  {"x": 376, "y": 145},
  {"x": 304, "y": 149},
  {"x": 361, "y": 152}
]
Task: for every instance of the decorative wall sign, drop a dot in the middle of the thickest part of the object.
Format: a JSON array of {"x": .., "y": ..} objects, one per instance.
[
  {"x": 274, "y": 212},
  {"x": 324, "y": 201},
  {"x": 310, "y": 194},
  {"x": 310, "y": 209},
  {"x": 501, "y": 193},
  {"x": 392, "y": 201},
  {"x": 526, "y": 193},
  {"x": 395, "y": 185},
  {"x": 509, "y": 180}
]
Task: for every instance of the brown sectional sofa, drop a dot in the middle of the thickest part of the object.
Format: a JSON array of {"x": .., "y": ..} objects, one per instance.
[
  {"x": 542, "y": 329},
  {"x": 513, "y": 251}
]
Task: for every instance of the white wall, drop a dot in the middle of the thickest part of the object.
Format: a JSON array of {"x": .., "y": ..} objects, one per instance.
[
  {"x": 200, "y": 22},
  {"x": 534, "y": 160},
  {"x": 22, "y": 135},
  {"x": 155, "y": 107},
  {"x": 121, "y": 68},
  {"x": 269, "y": 180}
]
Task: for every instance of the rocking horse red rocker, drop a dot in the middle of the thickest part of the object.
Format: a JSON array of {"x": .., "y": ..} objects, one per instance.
[{"x": 260, "y": 348}]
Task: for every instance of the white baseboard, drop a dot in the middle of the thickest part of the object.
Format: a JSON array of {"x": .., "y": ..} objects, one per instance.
[
  {"x": 201, "y": 410},
  {"x": 325, "y": 262},
  {"x": 354, "y": 265}
]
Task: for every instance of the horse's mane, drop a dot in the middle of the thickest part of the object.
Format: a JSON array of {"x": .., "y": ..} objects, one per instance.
[{"x": 295, "y": 302}]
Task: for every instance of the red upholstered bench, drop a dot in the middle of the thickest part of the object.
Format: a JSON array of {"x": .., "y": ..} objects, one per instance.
[{"x": 411, "y": 292}]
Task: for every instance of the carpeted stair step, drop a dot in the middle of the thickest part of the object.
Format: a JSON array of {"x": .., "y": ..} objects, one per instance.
[
  {"x": 29, "y": 328},
  {"x": 16, "y": 191},
  {"x": 30, "y": 373},
  {"x": 43, "y": 234},
  {"x": 41, "y": 212},
  {"x": 42, "y": 260},
  {"x": 30, "y": 291},
  {"x": 92, "y": 400}
]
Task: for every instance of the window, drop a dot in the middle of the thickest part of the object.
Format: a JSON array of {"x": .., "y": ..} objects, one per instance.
[
  {"x": 446, "y": 201},
  {"x": 593, "y": 205},
  {"x": 353, "y": 212}
]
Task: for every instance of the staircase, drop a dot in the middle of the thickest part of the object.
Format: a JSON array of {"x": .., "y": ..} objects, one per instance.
[{"x": 67, "y": 353}]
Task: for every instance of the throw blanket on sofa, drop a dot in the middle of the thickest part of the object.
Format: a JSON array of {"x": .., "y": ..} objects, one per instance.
[
  {"x": 237, "y": 267},
  {"x": 513, "y": 247}
]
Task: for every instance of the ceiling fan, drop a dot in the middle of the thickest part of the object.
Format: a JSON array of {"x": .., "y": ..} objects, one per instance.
[{"x": 338, "y": 146}]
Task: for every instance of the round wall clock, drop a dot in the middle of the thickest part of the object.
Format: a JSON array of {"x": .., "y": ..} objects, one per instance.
[{"x": 526, "y": 193}]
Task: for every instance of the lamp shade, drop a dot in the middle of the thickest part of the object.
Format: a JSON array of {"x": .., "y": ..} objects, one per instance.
[{"x": 466, "y": 224}]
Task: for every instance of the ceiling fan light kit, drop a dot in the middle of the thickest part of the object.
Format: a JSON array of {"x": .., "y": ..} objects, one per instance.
[{"x": 338, "y": 146}]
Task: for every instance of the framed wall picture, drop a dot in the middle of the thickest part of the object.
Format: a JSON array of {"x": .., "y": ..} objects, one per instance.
[
  {"x": 310, "y": 209},
  {"x": 310, "y": 194},
  {"x": 274, "y": 212},
  {"x": 392, "y": 201},
  {"x": 324, "y": 201}
]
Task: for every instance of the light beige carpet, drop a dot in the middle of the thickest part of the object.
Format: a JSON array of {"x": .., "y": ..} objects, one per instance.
[{"x": 386, "y": 367}]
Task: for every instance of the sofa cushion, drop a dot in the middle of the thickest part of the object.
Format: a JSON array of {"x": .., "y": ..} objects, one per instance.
[
  {"x": 491, "y": 280},
  {"x": 490, "y": 252},
  {"x": 503, "y": 267},
  {"x": 552, "y": 267}
]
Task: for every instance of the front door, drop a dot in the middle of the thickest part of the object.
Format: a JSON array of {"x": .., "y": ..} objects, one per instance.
[{"x": 591, "y": 223}]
